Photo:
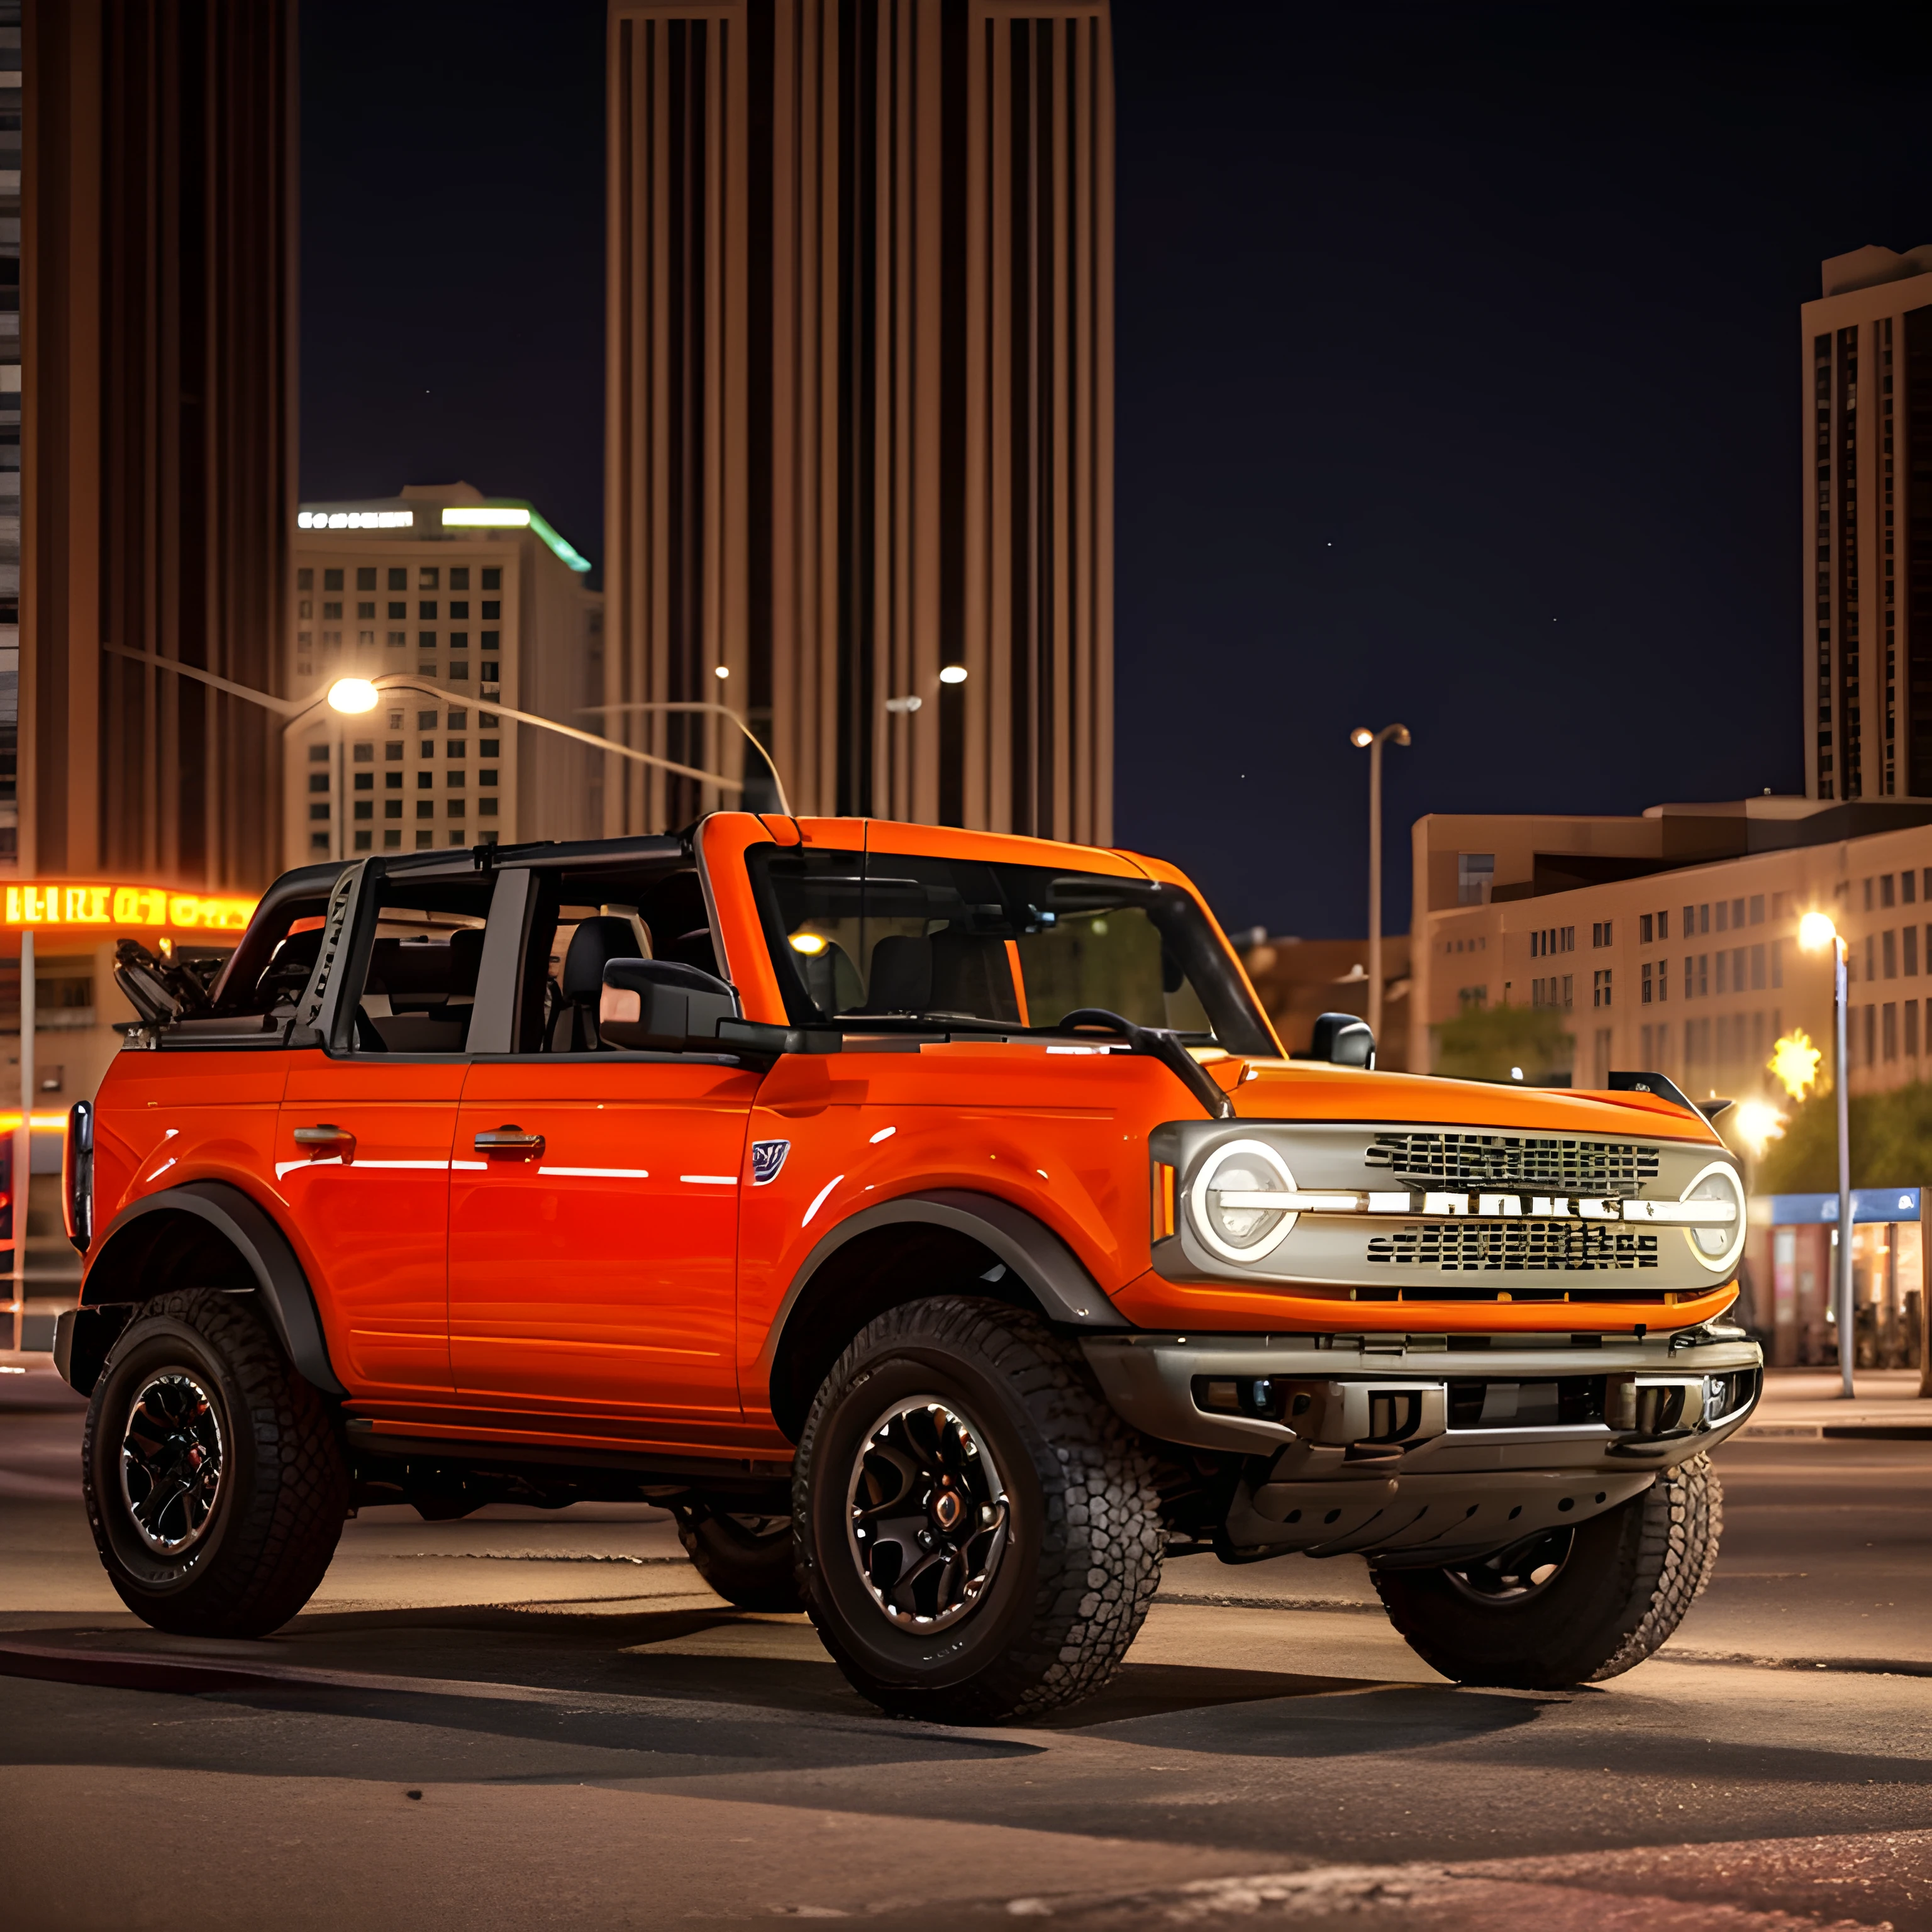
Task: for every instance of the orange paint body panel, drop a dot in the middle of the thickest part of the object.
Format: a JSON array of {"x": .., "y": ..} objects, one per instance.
[{"x": 600, "y": 1274}]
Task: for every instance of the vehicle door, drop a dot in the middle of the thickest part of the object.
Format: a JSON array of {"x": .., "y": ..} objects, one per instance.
[
  {"x": 594, "y": 1193},
  {"x": 368, "y": 1116}
]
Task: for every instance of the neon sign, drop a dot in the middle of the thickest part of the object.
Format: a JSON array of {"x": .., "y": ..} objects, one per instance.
[{"x": 146, "y": 908}]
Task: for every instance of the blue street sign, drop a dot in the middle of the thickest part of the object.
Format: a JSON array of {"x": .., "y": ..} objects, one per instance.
[{"x": 1868, "y": 1203}]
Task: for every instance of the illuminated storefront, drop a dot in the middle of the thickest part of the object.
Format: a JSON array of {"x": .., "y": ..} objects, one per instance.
[{"x": 1888, "y": 1277}]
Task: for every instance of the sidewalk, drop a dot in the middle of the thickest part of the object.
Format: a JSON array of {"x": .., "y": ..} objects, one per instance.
[{"x": 1887, "y": 1407}]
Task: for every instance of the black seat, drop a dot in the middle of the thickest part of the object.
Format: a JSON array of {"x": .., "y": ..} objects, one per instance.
[
  {"x": 286, "y": 974},
  {"x": 595, "y": 943},
  {"x": 901, "y": 976}
]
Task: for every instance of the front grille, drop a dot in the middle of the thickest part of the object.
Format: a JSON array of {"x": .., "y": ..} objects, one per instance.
[
  {"x": 1514, "y": 1160},
  {"x": 1515, "y": 1247}
]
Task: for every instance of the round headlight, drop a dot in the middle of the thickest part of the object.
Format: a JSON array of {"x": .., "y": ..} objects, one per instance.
[
  {"x": 1718, "y": 1245},
  {"x": 1240, "y": 1231}
]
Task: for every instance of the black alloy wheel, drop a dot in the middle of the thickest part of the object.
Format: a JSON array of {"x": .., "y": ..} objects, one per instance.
[
  {"x": 171, "y": 1461},
  {"x": 977, "y": 1532},
  {"x": 214, "y": 1477},
  {"x": 927, "y": 1511}
]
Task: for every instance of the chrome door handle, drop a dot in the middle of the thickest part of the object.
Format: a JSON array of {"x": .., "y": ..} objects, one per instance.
[
  {"x": 327, "y": 1135},
  {"x": 509, "y": 1139}
]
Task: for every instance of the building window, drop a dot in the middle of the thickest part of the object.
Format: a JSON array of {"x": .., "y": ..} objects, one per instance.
[
  {"x": 1737, "y": 914},
  {"x": 486, "y": 778},
  {"x": 1871, "y": 1036},
  {"x": 331, "y": 580},
  {"x": 457, "y": 808},
  {"x": 392, "y": 808},
  {"x": 1777, "y": 962},
  {"x": 425, "y": 808},
  {"x": 491, "y": 609},
  {"x": 1909, "y": 941},
  {"x": 398, "y": 608},
  {"x": 1569, "y": 990},
  {"x": 365, "y": 808},
  {"x": 319, "y": 842},
  {"x": 1722, "y": 909},
  {"x": 426, "y": 577},
  {"x": 1889, "y": 1029},
  {"x": 425, "y": 840},
  {"x": 1601, "y": 991},
  {"x": 459, "y": 607},
  {"x": 486, "y": 807},
  {"x": 487, "y": 672},
  {"x": 459, "y": 577},
  {"x": 425, "y": 779},
  {"x": 1889, "y": 952},
  {"x": 1757, "y": 969},
  {"x": 426, "y": 611},
  {"x": 398, "y": 640},
  {"x": 489, "y": 748},
  {"x": 1600, "y": 933},
  {"x": 1911, "y": 1026},
  {"x": 490, "y": 638},
  {"x": 1645, "y": 995},
  {"x": 1867, "y": 884},
  {"x": 459, "y": 640},
  {"x": 1723, "y": 960},
  {"x": 367, "y": 608},
  {"x": 459, "y": 667},
  {"x": 331, "y": 607},
  {"x": 493, "y": 577},
  {"x": 392, "y": 841},
  {"x": 453, "y": 779},
  {"x": 304, "y": 579},
  {"x": 318, "y": 815}
]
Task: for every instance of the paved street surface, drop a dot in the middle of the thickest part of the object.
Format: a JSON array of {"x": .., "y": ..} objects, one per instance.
[{"x": 528, "y": 1719}]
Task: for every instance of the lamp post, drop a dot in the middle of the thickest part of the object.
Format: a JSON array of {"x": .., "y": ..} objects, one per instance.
[
  {"x": 720, "y": 710},
  {"x": 1815, "y": 932},
  {"x": 354, "y": 695},
  {"x": 1362, "y": 739}
]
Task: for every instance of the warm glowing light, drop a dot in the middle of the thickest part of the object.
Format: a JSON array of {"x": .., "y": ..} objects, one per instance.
[
  {"x": 1815, "y": 931},
  {"x": 353, "y": 695},
  {"x": 811, "y": 944},
  {"x": 1516, "y": 1072},
  {"x": 720, "y": 670},
  {"x": 485, "y": 516},
  {"x": 1794, "y": 1061},
  {"x": 138, "y": 908},
  {"x": 354, "y": 520},
  {"x": 1758, "y": 1124},
  {"x": 1361, "y": 737},
  {"x": 953, "y": 674}
]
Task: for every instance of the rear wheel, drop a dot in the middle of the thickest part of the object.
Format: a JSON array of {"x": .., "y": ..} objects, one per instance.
[
  {"x": 1567, "y": 1606},
  {"x": 216, "y": 1485},
  {"x": 746, "y": 1559},
  {"x": 977, "y": 1531}
]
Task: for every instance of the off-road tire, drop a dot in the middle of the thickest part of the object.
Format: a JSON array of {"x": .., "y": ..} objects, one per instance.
[
  {"x": 1629, "y": 1575},
  {"x": 751, "y": 1569},
  {"x": 284, "y": 1493},
  {"x": 1082, "y": 1558}
]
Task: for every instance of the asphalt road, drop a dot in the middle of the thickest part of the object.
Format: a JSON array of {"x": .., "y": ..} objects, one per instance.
[{"x": 529, "y": 1719}]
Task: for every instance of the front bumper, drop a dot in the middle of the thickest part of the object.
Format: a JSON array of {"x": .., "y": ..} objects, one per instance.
[{"x": 1403, "y": 1449}]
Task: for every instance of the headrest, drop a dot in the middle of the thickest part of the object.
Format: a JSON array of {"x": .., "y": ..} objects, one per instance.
[
  {"x": 972, "y": 973},
  {"x": 595, "y": 943},
  {"x": 693, "y": 949},
  {"x": 444, "y": 968},
  {"x": 901, "y": 976}
]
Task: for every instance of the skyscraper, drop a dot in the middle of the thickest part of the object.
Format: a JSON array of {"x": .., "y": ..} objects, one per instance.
[
  {"x": 1867, "y": 403},
  {"x": 157, "y": 190},
  {"x": 859, "y": 453}
]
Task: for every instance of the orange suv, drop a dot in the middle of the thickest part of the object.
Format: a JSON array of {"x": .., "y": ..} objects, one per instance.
[{"x": 931, "y": 1219}]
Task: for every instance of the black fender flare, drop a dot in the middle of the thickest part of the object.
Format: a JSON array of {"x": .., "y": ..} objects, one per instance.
[
  {"x": 1042, "y": 1264},
  {"x": 251, "y": 1230}
]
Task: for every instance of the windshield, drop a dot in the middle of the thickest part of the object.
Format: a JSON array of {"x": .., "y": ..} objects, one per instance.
[{"x": 878, "y": 936}]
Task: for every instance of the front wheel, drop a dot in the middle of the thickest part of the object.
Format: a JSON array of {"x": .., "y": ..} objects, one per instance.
[
  {"x": 977, "y": 1533},
  {"x": 216, "y": 1486},
  {"x": 1570, "y": 1605}
]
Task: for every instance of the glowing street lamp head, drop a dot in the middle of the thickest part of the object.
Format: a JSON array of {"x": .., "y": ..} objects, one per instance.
[
  {"x": 1815, "y": 931},
  {"x": 720, "y": 670},
  {"x": 953, "y": 674},
  {"x": 1757, "y": 1123},
  {"x": 353, "y": 695},
  {"x": 1361, "y": 737}
]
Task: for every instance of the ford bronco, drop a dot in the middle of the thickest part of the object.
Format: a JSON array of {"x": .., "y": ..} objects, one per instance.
[{"x": 931, "y": 1219}]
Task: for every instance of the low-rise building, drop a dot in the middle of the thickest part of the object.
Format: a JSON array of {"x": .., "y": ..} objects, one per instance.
[
  {"x": 479, "y": 598},
  {"x": 1668, "y": 941}
]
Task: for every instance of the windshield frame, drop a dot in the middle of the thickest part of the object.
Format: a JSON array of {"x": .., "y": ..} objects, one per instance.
[{"x": 1239, "y": 1025}]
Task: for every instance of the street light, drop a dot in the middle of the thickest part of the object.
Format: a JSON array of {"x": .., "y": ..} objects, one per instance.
[
  {"x": 354, "y": 696},
  {"x": 719, "y": 710},
  {"x": 1371, "y": 741},
  {"x": 1815, "y": 932}
]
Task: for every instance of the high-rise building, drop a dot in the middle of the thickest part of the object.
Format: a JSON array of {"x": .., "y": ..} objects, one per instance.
[
  {"x": 158, "y": 334},
  {"x": 478, "y": 599},
  {"x": 1867, "y": 403},
  {"x": 859, "y": 453}
]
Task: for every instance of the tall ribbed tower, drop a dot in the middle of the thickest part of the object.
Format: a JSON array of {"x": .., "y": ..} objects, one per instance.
[{"x": 859, "y": 449}]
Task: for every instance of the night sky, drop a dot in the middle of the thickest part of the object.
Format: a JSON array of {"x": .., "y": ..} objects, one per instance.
[{"x": 1458, "y": 377}]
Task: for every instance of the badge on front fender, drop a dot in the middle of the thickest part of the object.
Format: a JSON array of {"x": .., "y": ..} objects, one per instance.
[{"x": 767, "y": 1157}]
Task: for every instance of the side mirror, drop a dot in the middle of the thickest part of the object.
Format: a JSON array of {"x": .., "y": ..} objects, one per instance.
[
  {"x": 1343, "y": 1041},
  {"x": 658, "y": 1004}
]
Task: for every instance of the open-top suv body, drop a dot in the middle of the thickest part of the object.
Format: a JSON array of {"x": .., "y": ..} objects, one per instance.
[{"x": 931, "y": 1219}]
